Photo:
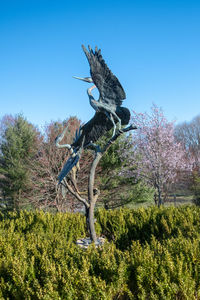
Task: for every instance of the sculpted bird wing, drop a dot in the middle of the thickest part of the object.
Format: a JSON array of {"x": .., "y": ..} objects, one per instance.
[{"x": 110, "y": 89}]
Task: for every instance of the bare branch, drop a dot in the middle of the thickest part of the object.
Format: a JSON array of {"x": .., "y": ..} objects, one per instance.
[
  {"x": 75, "y": 194},
  {"x": 118, "y": 133}
]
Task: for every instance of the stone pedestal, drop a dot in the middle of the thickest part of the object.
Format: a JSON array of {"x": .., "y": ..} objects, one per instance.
[{"x": 86, "y": 242}]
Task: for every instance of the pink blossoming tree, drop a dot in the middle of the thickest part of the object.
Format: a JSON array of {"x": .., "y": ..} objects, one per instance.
[{"x": 157, "y": 157}]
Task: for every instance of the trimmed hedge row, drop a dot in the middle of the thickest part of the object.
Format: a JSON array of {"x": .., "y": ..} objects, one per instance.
[{"x": 149, "y": 254}]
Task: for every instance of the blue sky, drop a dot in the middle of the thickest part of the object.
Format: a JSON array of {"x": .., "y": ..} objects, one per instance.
[{"x": 153, "y": 47}]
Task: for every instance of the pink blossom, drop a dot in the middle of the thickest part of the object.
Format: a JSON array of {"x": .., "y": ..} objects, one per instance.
[{"x": 157, "y": 157}]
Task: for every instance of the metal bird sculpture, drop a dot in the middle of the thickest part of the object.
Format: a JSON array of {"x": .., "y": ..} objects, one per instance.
[
  {"x": 110, "y": 90},
  {"x": 108, "y": 109}
]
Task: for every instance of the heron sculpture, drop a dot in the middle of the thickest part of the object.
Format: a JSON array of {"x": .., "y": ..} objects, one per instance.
[{"x": 109, "y": 111}]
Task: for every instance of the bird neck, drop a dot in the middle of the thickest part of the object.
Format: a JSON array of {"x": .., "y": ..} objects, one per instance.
[
  {"x": 89, "y": 91},
  {"x": 91, "y": 98},
  {"x": 93, "y": 103}
]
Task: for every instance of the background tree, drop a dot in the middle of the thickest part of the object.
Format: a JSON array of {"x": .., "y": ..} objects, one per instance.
[
  {"x": 18, "y": 145},
  {"x": 30, "y": 163},
  {"x": 157, "y": 157},
  {"x": 195, "y": 187},
  {"x": 188, "y": 134},
  {"x": 47, "y": 165}
]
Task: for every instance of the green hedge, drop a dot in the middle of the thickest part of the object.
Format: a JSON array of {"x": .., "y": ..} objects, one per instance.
[
  {"x": 149, "y": 254},
  {"x": 126, "y": 225}
]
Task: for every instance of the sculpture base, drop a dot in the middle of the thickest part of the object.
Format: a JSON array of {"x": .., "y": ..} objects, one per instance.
[{"x": 86, "y": 242}]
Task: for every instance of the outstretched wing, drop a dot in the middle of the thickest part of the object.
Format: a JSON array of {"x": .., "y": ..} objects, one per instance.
[{"x": 110, "y": 89}]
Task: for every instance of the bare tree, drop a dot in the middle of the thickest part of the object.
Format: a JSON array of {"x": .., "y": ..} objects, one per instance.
[
  {"x": 188, "y": 133},
  {"x": 46, "y": 165}
]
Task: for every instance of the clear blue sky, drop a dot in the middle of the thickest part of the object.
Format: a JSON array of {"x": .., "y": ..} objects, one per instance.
[{"x": 153, "y": 47}]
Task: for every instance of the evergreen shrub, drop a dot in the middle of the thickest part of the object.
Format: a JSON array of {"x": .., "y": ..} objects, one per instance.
[{"x": 148, "y": 254}]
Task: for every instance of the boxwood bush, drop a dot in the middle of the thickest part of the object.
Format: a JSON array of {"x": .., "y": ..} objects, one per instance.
[{"x": 148, "y": 254}]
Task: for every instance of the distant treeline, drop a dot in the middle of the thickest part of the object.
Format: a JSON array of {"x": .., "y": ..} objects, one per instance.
[{"x": 144, "y": 167}]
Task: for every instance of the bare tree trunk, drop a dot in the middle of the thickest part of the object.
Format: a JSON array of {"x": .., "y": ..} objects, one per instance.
[
  {"x": 93, "y": 195},
  {"x": 93, "y": 235},
  {"x": 160, "y": 201},
  {"x": 87, "y": 218}
]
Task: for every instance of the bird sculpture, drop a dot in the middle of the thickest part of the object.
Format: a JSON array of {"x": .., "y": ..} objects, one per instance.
[
  {"x": 110, "y": 90},
  {"x": 109, "y": 111}
]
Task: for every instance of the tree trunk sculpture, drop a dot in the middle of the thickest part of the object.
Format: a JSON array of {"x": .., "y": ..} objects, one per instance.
[{"x": 93, "y": 193}]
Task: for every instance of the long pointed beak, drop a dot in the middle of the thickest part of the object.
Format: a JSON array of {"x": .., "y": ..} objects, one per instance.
[{"x": 86, "y": 79}]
